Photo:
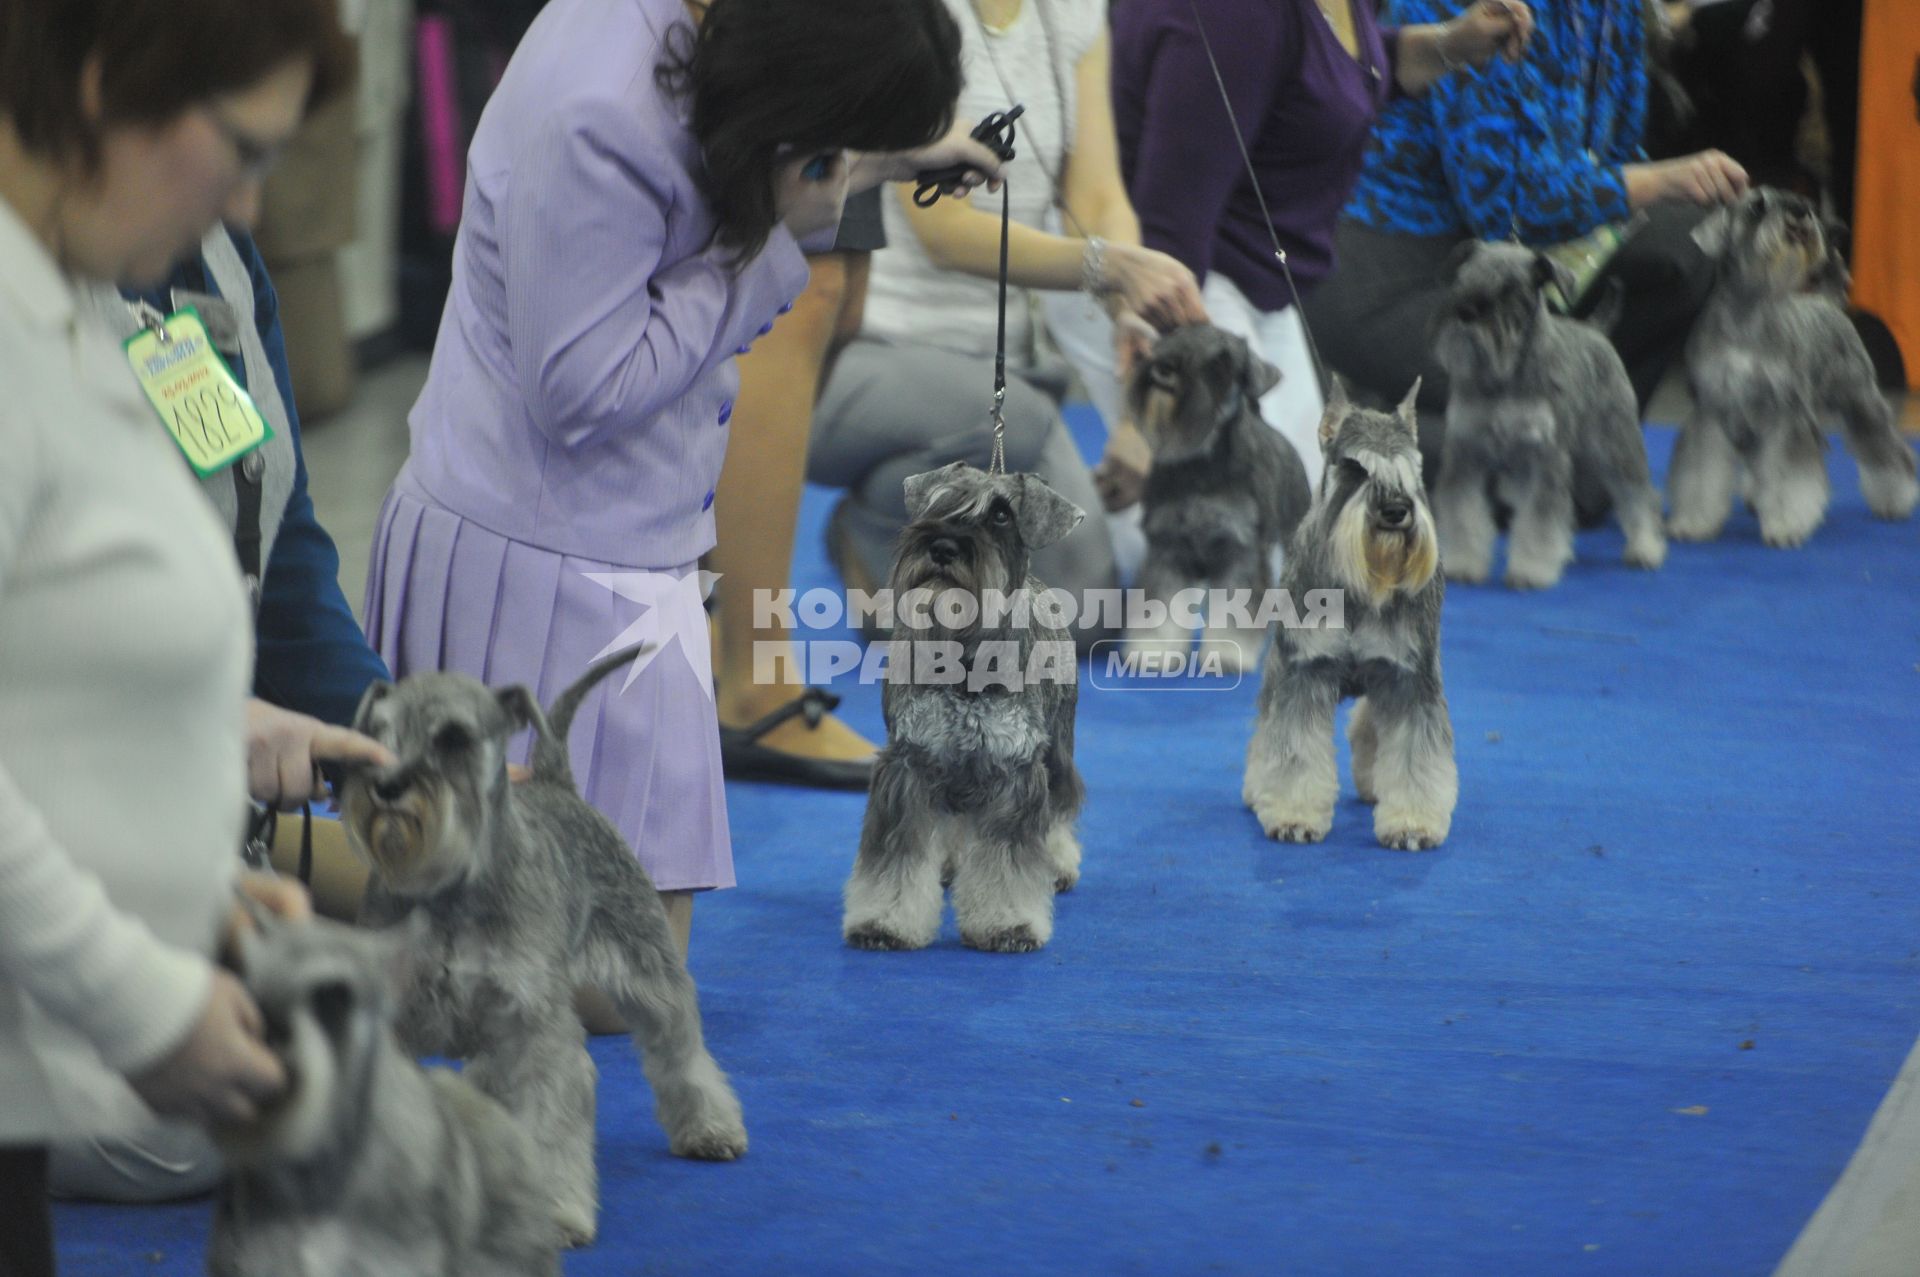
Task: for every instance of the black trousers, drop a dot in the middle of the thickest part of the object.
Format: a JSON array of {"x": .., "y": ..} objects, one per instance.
[
  {"x": 1374, "y": 317},
  {"x": 26, "y": 1227}
]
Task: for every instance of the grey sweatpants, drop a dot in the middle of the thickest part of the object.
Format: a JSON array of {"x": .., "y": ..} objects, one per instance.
[{"x": 890, "y": 411}]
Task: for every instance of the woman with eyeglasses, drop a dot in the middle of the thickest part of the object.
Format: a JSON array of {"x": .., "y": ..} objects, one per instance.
[
  {"x": 124, "y": 639},
  {"x": 641, "y": 192}
]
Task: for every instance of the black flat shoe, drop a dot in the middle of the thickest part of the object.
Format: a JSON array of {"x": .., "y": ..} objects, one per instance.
[{"x": 743, "y": 757}]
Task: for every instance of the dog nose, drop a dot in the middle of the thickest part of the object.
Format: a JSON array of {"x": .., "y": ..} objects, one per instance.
[
  {"x": 1395, "y": 513},
  {"x": 943, "y": 550},
  {"x": 390, "y": 788}
]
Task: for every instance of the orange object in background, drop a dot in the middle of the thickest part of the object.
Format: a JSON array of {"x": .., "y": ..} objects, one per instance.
[{"x": 1886, "y": 210}]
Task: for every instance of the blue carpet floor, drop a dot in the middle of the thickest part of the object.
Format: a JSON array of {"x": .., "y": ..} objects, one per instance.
[{"x": 1632, "y": 1019}]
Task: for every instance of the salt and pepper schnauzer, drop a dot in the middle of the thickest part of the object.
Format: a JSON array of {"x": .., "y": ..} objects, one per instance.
[
  {"x": 1370, "y": 535},
  {"x": 975, "y": 784},
  {"x": 368, "y": 1164},
  {"x": 1772, "y": 362},
  {"x": 1225, "y": 491},
  {"x": 1534, "y": 398},
  {"x": 527, "y": 894}
]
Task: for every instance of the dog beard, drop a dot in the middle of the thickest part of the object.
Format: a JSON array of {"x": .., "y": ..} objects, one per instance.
[
  {"x": 1378, "y": 562},
  {"x": 1166, "y": 423},
  {"x": 404, "y": 842},
  {"x": 1489, "y": 346},
  {"x": 943, "y": 602}
]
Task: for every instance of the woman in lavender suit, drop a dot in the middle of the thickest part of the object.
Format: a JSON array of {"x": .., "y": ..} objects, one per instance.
[{"x": 639, "y": 193}]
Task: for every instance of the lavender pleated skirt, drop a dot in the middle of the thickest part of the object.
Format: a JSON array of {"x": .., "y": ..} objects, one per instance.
[{"x": 444, "y": 593}]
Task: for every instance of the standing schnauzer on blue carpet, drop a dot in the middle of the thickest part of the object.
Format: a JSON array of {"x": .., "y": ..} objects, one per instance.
[
  {"x": 976, "y": 783},
  {"x": 1533, "y": 398},
  {"x": 1226, "y": 489},
  {"x": 1370, "y": 535},
  {"x": 1772, "y": 361}
]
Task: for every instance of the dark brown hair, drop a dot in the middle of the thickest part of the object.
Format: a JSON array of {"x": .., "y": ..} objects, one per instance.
[
  {"x": 158, "y": 58},
  {"x": 772, "y": 78}
]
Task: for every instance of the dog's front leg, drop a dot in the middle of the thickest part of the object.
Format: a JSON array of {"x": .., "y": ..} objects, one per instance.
[
  {"x": 1463, "y": 514},
  {"x": 1155, "y": 589},
  {"x": 1541, "y": 543},
  {"x": 1004, "y": 875},
  {"x": 1701, "y": 480},
  {"x": 1236, "y": 593},
  {"x": 1291, "y": 780},
  {"x": 1790, "y": 485},
  {"x": 1414, "y": 776},
  {"x": 537, "y": 1066},
  {"x": 893, "y": 897}
]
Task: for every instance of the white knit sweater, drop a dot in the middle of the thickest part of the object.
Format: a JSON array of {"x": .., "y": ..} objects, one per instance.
[{"x": 125, "y": 651}]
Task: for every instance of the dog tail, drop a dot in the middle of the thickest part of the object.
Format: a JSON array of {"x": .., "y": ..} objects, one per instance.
[{"x": 550, "y": 758}]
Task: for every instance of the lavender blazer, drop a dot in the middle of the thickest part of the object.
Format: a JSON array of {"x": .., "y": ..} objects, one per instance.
[{"x": 584, "y": 372}]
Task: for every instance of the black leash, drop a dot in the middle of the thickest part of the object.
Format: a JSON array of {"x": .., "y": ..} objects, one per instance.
[{"x": 997, "y": 134}]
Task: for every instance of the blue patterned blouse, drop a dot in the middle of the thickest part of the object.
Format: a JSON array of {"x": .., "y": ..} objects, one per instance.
[{"x": 1537, "y": 147}]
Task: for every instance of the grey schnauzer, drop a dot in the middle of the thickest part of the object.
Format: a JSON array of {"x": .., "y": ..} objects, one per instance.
[
  {"x": 527, "y": 894},
  {"x": 368, "y": 1166},
  {"x": 1772, "y": 362},
  {"x": 1370, "y": 535},
  {"x": 1226, "y": 490},
  {"x": 1534, "y": 398},
  {"x": 976, "y": 786}
]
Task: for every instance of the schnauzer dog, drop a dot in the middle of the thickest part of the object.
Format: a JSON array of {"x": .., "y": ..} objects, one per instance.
[
  {"x": 976, "y": 787},
  {"x": 1369, "y": 534},
  {"x": 527, "y": 894},
  {"x": 1225, "y": 491},
  {"x": 368, "y": 1166},
  {"x": 1772, "y": 362},
  {"x": 1534, "y": 398}
]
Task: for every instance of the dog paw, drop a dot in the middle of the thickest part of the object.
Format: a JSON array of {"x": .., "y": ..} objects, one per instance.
[
  {"x": 1889, "y": 494},
  {"x": 1015, "y": 939},
  {"x": 1405, "y": 831},
  {"x": 1467, "y": 574},
  {"x": 871, "y": 935},
  {"x": 1790, "y": 538},
  {"x": 1692, "y": 529},
  {"x": 717, "y": 1143},
  {"x": 1290, "y": 824},
  {"x": 1531, "y": 579},
  {"x": 1649, "y": 556},
  {"x": 576, "y": 1224}
]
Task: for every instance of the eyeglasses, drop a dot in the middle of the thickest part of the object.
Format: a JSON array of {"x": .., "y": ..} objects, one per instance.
[{"x": 256, "y": 157}]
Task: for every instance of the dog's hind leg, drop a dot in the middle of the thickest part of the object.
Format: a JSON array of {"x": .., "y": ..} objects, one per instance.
[
  {"x": 1292, "y": 780},
  {"x": 1414, "y": 773},
  {"x": 1620, "y": 460},
  {"x": 1790, "y": 484},
  {"x": 893, "y": 896},
  {"x": 1886, "y": 460},
  {"x": 539, "y": 1070},
  {"x": 644, "y": 976},
  {"x": 1540, "y": 544},
  {"x": 1701, "y": 480}
]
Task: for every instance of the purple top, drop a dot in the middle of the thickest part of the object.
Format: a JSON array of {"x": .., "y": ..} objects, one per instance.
[
  {"x": 1303, "y": 103},
  {"x": 584, "y": 373}
]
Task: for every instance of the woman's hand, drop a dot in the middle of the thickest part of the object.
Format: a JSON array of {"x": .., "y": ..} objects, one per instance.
[
  {"x": 1150, "y": 284},
  {"x": 1133, "y": 339},
  {"x": 223, "y": 1072},
  {"x": 1121, "y": 476},
  {"x": 957, "y": 147},
  {"x": 284, "y": 750},
  {"x": 1705, "y": 177},
  {"x": 1491, "y": 28},
  {"x": 810, "y": 192}
]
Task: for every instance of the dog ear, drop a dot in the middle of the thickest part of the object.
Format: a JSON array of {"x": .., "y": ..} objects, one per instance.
[
  {"x": 1260, "y": 376},
  {"x": 1045, "y": 516},
  {"x": 1547, "y": 271},
  {"x": 375, "y": 693},
  {"x": 921, "y": 487},
  {"x": 520, "y": 707},
  {"x": 1408, "y": 413},
  {"x": 1462, "y": 254},
  {"x": 1335, "y": 411},
  {"x": 1713, "y": 231}
]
